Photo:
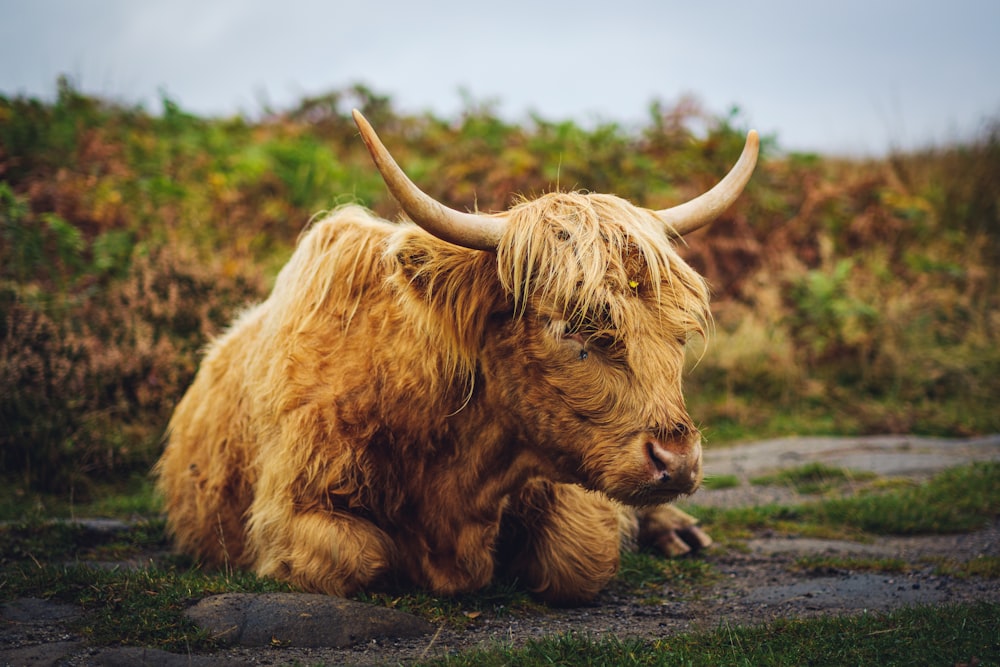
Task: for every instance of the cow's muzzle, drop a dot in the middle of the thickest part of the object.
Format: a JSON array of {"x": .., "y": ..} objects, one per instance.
[{"x": 674, "y": 468}]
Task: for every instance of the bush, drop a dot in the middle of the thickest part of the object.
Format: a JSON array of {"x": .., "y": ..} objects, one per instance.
[
  {"x": 90, "y": 394},
  {"x": 850, "y": 296}
]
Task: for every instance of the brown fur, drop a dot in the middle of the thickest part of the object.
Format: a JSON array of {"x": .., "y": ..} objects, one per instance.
[{"x": 400, "y": 407}]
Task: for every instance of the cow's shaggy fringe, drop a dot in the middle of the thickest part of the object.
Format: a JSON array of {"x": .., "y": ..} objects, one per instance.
[
  {"x": 593, "y": 255},
  {"x": 595, "y": 261}
]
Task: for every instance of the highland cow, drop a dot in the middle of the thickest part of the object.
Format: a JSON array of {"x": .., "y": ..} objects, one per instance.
[{"x": 442, "y": 403}]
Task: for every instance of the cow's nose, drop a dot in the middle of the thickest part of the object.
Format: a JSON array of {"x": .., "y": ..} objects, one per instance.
[
  {"x": 660, "y": 460},
  {"x": 678, "y": 468}
]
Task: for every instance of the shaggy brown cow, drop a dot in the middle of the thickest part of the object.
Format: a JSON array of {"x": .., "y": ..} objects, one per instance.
[{"x": 442, "y": 403}]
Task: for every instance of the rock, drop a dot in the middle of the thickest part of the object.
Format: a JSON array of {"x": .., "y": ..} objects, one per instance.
[
  {"x": 52, "y": 653},
  {"x": 300, "y": 620},
  {"x": 134, "y": 656},
  {"x": 25, "y": 610},
  {"x": 101, "y": 526}
]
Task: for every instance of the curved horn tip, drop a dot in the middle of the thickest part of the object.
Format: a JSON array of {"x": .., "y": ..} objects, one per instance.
[
  {"x": 464, "y": 229},
  {"x": 364, "y": 126},
  {"x": 698, "y": 212}
]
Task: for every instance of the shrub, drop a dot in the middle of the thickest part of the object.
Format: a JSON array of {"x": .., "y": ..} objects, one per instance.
[
  {"x": 849, "y": 296},
  {"x": 89, "y": 395}
]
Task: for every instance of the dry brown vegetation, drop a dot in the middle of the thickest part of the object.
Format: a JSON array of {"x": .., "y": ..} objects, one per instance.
[{"x": 850, "y": 296}]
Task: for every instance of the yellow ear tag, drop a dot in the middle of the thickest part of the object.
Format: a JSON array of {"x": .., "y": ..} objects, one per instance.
[{"x": 633, "y": 284}]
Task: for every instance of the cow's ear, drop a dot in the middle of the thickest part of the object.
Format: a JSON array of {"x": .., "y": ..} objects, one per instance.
[
  {"x": 411, "y": 262},
  {"x": 502, "y": 314},
  {"x": 412, "y": 257}
]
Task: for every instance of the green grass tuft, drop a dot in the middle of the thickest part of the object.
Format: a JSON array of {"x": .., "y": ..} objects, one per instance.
[
  {"x": 647, "y": 574},
  {"x": 957, "y": 500},
  {"x": 983, "y": 566},
  {"x": 823, "y": 564},
  {"x": 813, "y": 478},
  {"x": 718, "y": 482},
  {"x": 501, "y": 599}
]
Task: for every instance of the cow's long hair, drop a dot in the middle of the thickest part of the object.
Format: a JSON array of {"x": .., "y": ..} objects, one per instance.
[
  {"x": 591, "y": 264},
  {"x": 604, "y": 265}
]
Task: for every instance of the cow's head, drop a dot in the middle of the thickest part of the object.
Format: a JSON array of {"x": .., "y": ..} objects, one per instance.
[{"x": 591, "y": 361}]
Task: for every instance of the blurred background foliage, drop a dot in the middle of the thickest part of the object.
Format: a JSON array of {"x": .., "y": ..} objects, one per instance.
[{"x": 850, "y": 296}]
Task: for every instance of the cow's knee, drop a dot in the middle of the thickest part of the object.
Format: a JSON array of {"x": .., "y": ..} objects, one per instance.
[
  {"x": 336, "y": 554},
  {"x": 671, "y": 531},
  {"x": 563, "y": 542}
]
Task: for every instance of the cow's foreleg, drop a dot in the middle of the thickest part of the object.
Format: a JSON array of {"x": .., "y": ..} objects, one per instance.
[
  {"x": 561, "y": 541},
  {"x": 323, "y": 552}
]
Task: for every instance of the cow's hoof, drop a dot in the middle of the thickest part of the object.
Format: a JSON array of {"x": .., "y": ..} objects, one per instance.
[
  {"x": 673, "y": 543},
  {"x": 671, "y": 531}
]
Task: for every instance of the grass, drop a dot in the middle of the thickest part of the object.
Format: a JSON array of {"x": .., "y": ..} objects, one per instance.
[
  {"x": 938, "y": 635},
  {"x": 144, "y": 605},
  {"x": 122, "y": 499},
  {"x": 983, "y": 566},
  {"x": 957, "y": 500},
  {"x": 500, "y": 600},
  {"x": 822, "y": 564},
  {"x": 140, "y": 606},
  {"x": 59, "y": 541},
  {"x": 717, "y": 482},
  {"x": 645, "y": 574},
  {"x": 813, "y": 478}
]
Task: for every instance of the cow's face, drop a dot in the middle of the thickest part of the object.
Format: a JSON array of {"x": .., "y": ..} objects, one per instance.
[{"x": 594, "y": 354}]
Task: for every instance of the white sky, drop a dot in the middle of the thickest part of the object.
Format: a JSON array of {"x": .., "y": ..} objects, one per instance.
[{"x": 848, "y": 77}]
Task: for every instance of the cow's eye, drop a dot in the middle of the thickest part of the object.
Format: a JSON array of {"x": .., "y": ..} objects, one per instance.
[
  {"x": 608, "y": 344},
  {"x": 603, "y": 339},
  {"x": 571, "y": 332}
]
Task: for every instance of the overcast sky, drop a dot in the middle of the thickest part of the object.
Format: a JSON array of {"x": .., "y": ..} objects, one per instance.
[{"x": 851, "y": 76}]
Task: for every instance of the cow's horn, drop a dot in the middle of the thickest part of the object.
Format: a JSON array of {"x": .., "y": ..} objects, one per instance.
[
  {"x": 480, "y": 232},
  {"x": 700, "y": 211}
]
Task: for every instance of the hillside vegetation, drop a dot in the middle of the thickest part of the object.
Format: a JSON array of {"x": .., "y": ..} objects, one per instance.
[{"x": 849, "y": 296}]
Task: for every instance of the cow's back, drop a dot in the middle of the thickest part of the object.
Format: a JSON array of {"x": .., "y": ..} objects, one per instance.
[{"x": 208, "y": 472}]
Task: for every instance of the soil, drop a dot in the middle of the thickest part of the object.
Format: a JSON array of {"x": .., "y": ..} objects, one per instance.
[{"x": 755, "y": 580}]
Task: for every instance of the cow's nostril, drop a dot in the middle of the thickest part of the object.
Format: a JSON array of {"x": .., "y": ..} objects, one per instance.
[{"x": 654, "y": 453}]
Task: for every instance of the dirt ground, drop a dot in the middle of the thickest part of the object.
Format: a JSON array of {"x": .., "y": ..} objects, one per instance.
[
  {"x": 754, "y": 587},
  {"x": 755, "y": 582}
]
